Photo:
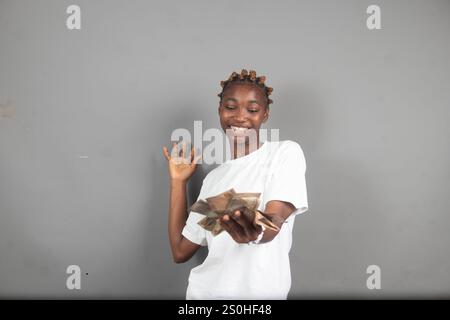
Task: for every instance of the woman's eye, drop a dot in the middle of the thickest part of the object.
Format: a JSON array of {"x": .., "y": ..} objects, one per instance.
[
  {"x": 230, "y": 107},
  {"x": 253, "y": 111}
]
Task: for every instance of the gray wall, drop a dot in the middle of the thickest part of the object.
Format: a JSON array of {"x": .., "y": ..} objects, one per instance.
[{"x": 86, "y": 112}]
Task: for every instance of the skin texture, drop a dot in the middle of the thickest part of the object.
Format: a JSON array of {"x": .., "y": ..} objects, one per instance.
[{"x": 244, "y": 105}]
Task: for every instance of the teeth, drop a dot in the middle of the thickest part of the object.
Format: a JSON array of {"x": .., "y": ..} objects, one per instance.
[{"x": 238, "y": 128}]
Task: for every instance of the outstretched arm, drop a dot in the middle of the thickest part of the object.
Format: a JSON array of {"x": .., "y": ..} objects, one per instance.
[{"x": 243, "y": 231}]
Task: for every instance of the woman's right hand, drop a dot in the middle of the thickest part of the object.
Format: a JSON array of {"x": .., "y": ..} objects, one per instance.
[{"x": 180, "y": 167}]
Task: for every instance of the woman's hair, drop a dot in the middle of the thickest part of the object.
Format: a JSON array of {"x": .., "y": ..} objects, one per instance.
[{"x": 247, "y": 76}]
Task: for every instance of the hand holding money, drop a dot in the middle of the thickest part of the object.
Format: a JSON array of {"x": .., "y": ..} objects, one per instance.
[{"x": 242, "y": 207}]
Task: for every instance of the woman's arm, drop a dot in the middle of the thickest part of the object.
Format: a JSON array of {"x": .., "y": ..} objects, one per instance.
[
  {"x": 180, "y": 170},
  {"x": 288, "y": 182},
  {"x": 281, "y": 210},
  {"x": 182, "y": 248}
]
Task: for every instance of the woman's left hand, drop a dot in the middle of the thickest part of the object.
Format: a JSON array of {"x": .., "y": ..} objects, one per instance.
[{"x": 240, "y": 228}]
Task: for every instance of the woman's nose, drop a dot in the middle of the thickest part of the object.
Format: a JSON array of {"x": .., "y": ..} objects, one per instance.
[{"x": 241, "y": 115}]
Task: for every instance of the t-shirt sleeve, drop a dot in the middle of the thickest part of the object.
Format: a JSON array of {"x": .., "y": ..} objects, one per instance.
[
  {"x": 288, "y": 181},
  {"x": 192, "y": 230}
]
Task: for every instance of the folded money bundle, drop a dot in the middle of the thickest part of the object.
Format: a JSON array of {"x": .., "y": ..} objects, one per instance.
[{"x": 228, "y": 202}]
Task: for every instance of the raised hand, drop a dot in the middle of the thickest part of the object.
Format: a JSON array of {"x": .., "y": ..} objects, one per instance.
[{"x": 181, "y": 168}]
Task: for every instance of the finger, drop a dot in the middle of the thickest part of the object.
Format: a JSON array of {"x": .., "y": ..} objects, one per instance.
[
  {"x": 166, "y": 153},
  {"x": 247, "y": 226},
  {"x": 256, "y": 229},
  {"x": 225, "y": 226},
  {"x": 183, "y": 150},
  {"x": 174, "y": 150},
  {"x": 192, "y": 157},
  {"x": 237, "y": 229},
  {"x": 228, "y": 228},
  {"x": 240, "y": 218}
]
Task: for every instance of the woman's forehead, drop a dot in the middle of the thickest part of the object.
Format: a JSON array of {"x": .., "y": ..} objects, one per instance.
[{"x": 244, "y": 91}]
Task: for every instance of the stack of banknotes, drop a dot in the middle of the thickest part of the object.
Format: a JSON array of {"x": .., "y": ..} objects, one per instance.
[{"x": 228, "y": 202}]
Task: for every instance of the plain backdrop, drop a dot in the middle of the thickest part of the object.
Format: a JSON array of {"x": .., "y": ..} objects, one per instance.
[{"x": 85, "y": 114}]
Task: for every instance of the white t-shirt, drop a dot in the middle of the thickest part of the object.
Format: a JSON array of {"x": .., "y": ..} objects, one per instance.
[{"x": 250, "y": 271}]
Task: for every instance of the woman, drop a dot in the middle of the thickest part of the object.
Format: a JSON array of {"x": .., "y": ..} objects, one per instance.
[{"x": 246, "y": 262}]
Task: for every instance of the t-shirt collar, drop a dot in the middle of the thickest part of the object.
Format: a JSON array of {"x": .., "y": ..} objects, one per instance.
[{"x": 248, "y": 156}]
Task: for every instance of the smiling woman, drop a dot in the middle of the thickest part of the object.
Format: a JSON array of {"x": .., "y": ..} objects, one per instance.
[
  {"x": 244, "y": 106},
  {"x": 246, "y": 261}
]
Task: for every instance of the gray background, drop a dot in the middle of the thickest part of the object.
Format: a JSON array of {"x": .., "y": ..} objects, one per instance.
[{"x": 369, "y": 108}]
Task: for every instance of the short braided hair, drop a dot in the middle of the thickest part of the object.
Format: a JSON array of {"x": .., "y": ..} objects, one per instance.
[{"x": 249, "y": 77}]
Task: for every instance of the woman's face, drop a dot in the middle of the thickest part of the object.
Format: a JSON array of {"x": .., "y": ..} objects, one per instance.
[{"x": 243, "y": 108}]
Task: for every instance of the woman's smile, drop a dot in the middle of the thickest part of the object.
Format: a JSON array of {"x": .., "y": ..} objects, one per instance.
[{"x": 239, "y": 129}]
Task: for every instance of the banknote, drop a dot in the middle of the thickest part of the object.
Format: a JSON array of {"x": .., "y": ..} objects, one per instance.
[{"x": 226, "y": 203}]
